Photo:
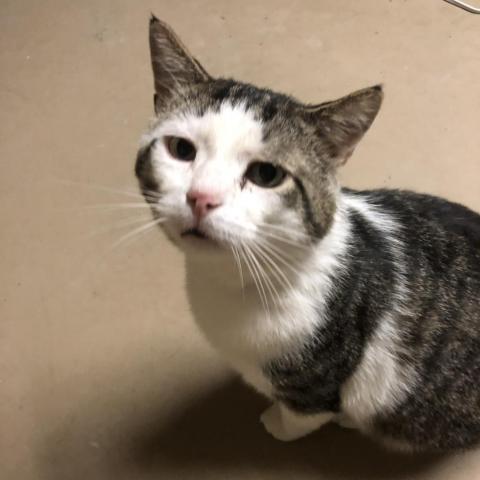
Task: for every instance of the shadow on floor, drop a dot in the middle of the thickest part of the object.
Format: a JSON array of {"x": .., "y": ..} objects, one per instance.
[{"x": 221, "y": 433}]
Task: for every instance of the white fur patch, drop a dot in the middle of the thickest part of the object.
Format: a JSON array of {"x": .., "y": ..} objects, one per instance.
[{"x": 381, "y": 380}]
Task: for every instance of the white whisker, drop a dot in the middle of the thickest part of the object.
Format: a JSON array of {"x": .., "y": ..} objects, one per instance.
[
  {"x": 129, "y": 193},
  {"x": 137, "y": 231},
  {"x": 274, "y": 268},
  {"x": 282, "y": 228},
  {"x": 238, "y": 261},
  {"x": 271, "y": 235},
  {"x": 280, "y": 255},
  {"x": 268, "y": 281},
  {"x": 282, "y": 239},
  {"x": 251, "y": 268},
  {"x": 114, "y": 206},
  {"x": 126, "y": 223},
  {"x": 256, "y": 266}
]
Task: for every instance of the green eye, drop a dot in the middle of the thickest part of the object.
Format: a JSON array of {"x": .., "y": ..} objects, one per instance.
[
  {"x": 265, "y": 174},
  {"x": 181, "y": 149}
]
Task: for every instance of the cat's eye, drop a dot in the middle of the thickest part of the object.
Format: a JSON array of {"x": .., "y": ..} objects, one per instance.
[
  {"x": 181, "y": 148},
  {"x": 265, "y": 174}
]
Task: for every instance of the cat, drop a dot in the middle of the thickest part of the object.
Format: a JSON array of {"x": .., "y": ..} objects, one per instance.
[{"x": 355, "y": 307}]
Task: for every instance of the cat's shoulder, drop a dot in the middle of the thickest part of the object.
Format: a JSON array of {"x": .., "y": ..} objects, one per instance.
[{"x": 410, "y": 207}]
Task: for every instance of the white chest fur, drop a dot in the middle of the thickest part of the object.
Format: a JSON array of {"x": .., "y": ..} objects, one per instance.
[{"x": 237, "y": 324}]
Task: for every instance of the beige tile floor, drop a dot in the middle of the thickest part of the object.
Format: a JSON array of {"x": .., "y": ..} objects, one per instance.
[{"x": 103, "y": 374}]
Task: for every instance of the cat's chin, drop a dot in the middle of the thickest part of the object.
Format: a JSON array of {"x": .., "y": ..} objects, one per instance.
[
  {"x": 196, "y": 243},
  {"x": 201, "y": 243},
  {"x": 195, "y": 233}
]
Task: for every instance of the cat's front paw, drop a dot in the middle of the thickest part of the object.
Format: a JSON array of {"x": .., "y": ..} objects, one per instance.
[
  {"x": 287, "y": 425},
  {"x": 345, "y": 422},
  {"x": 274, "y": 424}
]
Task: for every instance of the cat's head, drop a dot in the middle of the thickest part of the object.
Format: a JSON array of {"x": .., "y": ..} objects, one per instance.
[{"x": 229, "y": 164}]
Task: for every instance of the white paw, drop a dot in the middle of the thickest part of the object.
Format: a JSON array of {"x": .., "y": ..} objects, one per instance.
[
  {"x": 345, "y": 422},
  {"x": 273, "y": 422}
]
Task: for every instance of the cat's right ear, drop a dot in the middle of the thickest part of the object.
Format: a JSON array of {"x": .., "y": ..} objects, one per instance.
[
  {"x": 173, "y": 66},
  {"x": 343, "y": 122}
]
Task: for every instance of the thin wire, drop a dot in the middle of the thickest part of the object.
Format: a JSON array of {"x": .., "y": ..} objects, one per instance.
[{"x": 464, "y": 6}]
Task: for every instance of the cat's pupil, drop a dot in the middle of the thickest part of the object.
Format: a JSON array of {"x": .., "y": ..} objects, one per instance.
[
  {"x": 180, "y": 148},
  {"x": 184, "y": 148},
  {"x": 265, "y": 174}
]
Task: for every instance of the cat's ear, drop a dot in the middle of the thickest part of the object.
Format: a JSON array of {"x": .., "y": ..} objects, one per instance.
[
  {"x": 343, "y": 122},
  {"x": 173, "y": 66}
]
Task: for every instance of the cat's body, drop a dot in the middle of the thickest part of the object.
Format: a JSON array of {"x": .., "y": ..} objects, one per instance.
[
  {"x": 390, "y": 339},
  {"x": 356, "y": 307}
]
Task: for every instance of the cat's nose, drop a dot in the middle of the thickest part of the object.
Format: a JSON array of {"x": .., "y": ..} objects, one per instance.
[{"x": 202, "y": 202}]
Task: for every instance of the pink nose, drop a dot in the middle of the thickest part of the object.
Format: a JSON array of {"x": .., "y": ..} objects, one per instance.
[{"x": 202, "y": 202}]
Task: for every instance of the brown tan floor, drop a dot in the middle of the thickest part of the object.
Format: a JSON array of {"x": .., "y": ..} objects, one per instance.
[{"x": 103, "y": 374}]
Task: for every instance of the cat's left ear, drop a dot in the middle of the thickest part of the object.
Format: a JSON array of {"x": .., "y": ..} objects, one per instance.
[
  {"x": 342, "y": 123},
  {"x": 173, "y": 66}
]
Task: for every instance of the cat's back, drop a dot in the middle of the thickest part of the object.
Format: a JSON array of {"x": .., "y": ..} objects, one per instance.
[
  {"x": 440, "y": 245},
  {"x": 439, "y": 257}
]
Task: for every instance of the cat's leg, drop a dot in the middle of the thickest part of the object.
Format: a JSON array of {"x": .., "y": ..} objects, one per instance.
[{"x": 286, "y": 425}]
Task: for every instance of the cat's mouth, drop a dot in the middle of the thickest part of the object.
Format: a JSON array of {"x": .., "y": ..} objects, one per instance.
[
  {"x": 200, "y": 238},
  {"x": 194, "y": 232}
]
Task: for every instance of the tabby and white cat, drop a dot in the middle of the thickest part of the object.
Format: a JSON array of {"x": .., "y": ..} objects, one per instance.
[{"x": 360, "y": 307}]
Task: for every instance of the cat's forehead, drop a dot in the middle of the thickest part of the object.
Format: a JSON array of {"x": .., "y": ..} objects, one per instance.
[
  {"x": 227, "y": 115},
  {"x": 230, "y": 128},
  {"x": 265, "y": 104}
]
